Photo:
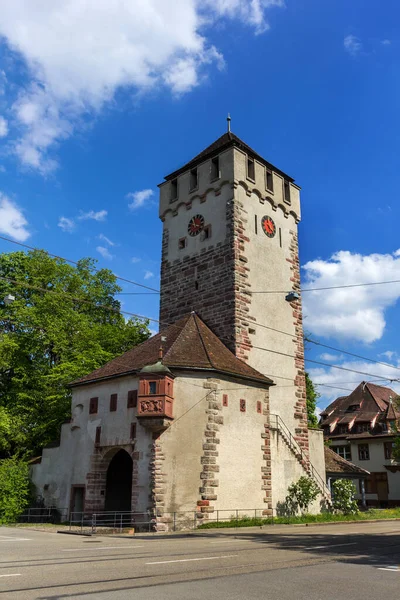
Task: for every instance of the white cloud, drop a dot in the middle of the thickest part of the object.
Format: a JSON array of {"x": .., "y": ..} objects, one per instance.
[
  {"x": 12, "y": 220},
  {"x": 105, "y": 253},
  {"x": 389, "y": 354},
  {"x": 3, "y": 127},
  {"x": 331, "y": 357},
  {"x": 148, "y": 275},
  {"x": 344, "y": 382},
  {"x": 135, "y": 259},
  {"x": 79, "y": 54},
  {"x": 352, "y": 45},
  {"x": 66, "y": 224},
  {"x": 105, "y": 239},
  {"x": 386, "y": 42},
  {"x": 139, "y": 198},
  {"x": 96, "y": 216},
  {"x": 356, "y": 313}
]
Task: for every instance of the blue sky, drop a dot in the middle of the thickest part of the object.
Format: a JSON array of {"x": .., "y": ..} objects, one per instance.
[{"x": 100, "y": 100}]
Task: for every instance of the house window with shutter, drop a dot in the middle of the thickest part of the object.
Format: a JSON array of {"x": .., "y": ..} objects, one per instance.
[
  {"x": 388, "y": 446},
  {"x": 132, "y": 399},
  {"x": 93, "y": 406},
  {"x": 113, "y": 402},
  {"x": 98, "y": 436},
  {"x": 363, "y": 451}
]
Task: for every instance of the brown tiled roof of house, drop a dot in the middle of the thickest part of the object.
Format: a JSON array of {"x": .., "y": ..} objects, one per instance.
[
  {"x": 189, "y": 344},
  {"x": 373, "y": 404},
  {"x": 226, "y": 140},
  {"x": 335, "y": 464}
]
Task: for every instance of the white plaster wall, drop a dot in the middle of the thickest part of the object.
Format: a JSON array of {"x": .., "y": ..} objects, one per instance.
[{"x": 317, "y": 452}]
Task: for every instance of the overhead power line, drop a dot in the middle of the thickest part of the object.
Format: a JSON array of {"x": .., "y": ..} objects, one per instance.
[{"x": 119, "y": 311}]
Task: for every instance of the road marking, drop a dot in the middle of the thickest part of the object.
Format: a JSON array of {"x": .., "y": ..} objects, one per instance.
[
  {"x": 329, "y": 546},
  {"x": 164, "y": 562},
  {"x": 393, "y": 569},
  {"x": 99, "y": 548},
  {"x": 16, "y": 540},
  {"x": 11, "y": 575}
]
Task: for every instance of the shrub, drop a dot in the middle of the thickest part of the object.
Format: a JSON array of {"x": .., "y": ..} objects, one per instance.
[
  {"x": 14, "y": 489},
  {"x": 301, "y": 495},
  {"x": 344, "y": 496}
]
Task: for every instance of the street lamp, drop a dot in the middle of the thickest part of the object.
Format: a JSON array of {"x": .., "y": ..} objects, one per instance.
[{"x": 9, "y": 299}]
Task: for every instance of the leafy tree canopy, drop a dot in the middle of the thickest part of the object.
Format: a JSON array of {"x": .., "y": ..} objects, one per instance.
[
  {"x": 312, "y": 397},
  {"x": 50, "y": 339}
]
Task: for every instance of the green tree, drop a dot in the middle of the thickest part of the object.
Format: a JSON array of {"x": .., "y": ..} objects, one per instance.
[
  {"x": 312, "y": 397},
  {"x": 48, "y": 339},
  {"x": 14, "y": 489}
]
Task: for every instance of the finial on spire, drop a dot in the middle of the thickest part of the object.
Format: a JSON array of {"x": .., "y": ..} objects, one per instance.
[{"x": 228, "y": 118}]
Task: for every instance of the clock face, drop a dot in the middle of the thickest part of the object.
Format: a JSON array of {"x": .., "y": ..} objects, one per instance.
[
  {"x": 196, "y": 224},
  {"x": 268, "y": 226}
]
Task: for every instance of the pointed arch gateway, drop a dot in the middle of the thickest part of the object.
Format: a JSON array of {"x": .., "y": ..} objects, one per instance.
[{"x": 119, "y": 483}]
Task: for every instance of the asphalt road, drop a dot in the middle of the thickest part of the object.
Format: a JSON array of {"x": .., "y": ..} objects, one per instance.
[{"x": 356, "y": 561}]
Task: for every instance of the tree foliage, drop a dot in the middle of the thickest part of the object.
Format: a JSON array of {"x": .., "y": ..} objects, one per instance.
[
  {"x": 344, "y": 496},
  {"x": 301, "y": 494},
  {"x": 14, "y": 489},
  {"x": 48, "y": 339},
  {"x": 312, "y": 397}
]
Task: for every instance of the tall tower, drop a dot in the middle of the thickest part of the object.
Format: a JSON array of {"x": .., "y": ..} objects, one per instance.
[{"x": 230, "y": 253}]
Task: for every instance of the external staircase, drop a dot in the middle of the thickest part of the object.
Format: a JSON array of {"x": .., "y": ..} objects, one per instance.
[{"x": 277, "y": 424}]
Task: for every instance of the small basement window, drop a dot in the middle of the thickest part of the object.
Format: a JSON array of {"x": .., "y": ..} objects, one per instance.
[
  {"x": 251, "y": 170},
  {"x": 214, "y": 173},
  {"x": 286, "y": 191},
  {"x": 194, "y": 182},
  {"x": 269, "y": 181},
  {"x": 252, "y": 331},
  {"x": 174, "y": 189},
  {"x": 182, "y": 243},
  {"x": 152, "y": 387}
]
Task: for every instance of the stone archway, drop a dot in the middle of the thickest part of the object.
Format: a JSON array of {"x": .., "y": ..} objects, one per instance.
[{"x": 118, "y": 495}]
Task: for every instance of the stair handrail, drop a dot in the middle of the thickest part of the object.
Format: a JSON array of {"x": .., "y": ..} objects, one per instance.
[{"x": 281, "y": 425}]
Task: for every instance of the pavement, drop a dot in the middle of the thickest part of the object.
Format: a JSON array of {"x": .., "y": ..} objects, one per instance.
[{"x": 359, "y": 561}]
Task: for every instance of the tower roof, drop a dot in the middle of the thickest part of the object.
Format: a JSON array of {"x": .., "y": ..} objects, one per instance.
[
  {"x": 224, "y": 142},
  {"x": 189, "y": 344}
]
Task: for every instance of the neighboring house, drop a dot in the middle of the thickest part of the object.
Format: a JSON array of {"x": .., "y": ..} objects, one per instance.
[
  {"x": 340, "y": 468},
  {"x": 361, "y": 428}
]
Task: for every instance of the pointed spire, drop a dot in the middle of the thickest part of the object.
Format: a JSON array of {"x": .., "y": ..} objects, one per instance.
[{"x": 228, "y": 119}]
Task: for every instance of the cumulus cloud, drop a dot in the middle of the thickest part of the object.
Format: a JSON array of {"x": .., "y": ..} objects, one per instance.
[
  {"x": 105, "y": 253},
  {"x": 148, "y": 275},
  {"x": 12, "y": 220},
  {"x": 66, "y": 224},
  {"x": 357, "y": 313},
  {"x": 389, "y": 354},
  {"x": 330, "y": 357},
  {"x": 105, "y": 239},
  {"x": 352, "y": 45},
  {"x": 139, "y": 198},
  {"x": 95, "y": 216},
  {"x": 332, "y": 383},
  {"x": 79, "y": 54},
  {"x": 3, "y": 127}
]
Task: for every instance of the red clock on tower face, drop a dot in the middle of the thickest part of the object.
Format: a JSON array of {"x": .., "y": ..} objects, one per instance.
[
  {"x": 269, "y": 227},
  {"x": 196, "y": 225}
]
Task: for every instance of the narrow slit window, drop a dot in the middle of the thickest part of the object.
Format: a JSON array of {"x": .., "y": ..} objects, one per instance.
[
  {"x": 259, "y": 407},
  {"x": 225, "y": 400},
  {"x": 113, "y": 402},
  {"x": 280, "y": 237},
  {"x": 194, "y": 179},
  {"x": 251, "y": 171},
  {"x": 174, "y": 189},
  {"x": 269, "y": 181},
  {"x": 286, "y": 190},
  {"x": 256, "y": 224},
  {"x": 215, "y": 174},
  {"x": 98, "y": 436},
  {"x": 196, "y": 285},
  {"x": 133, "y": 431}
]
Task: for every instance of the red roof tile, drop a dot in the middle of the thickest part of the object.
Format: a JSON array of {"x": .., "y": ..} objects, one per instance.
[
  {"x": 189, "y": 344},
  {"x": 338, "y": 465}
]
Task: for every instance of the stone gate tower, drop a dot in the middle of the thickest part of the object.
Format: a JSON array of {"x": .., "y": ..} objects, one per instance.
[{"x": 230, "y": 253}]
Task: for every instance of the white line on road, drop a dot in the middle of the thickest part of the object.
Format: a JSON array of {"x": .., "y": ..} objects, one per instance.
[
  {"x": 329, "y": 546},
  {"x": 100, "y": 548},
  {"x": 164, "y": 562},
  {"x": 16, "y": 540},
  {"x": 393, "y": 569},
  {"x": 11, "y": 575}
]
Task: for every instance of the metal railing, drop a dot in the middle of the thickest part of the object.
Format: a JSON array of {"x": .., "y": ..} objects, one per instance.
[
  {"x": 44, "y": 515},
  {"x": 276, "y": 422}
]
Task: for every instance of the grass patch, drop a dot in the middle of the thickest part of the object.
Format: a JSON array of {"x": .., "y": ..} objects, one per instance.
[{"x": 390, "y": 513}]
